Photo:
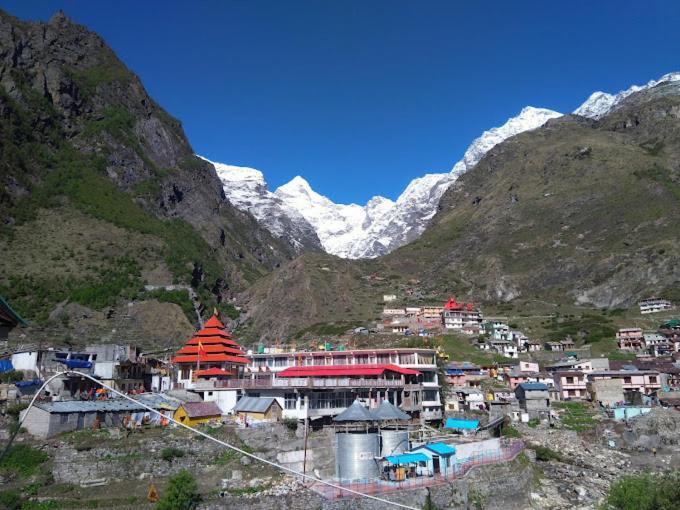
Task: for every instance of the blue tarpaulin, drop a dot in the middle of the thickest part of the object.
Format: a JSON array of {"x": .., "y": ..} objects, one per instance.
[
  {"x": 26, "y": 384},
  {"x": 458, "y": 423},
  {"x": 76, "y": 363},
  {"x": 407, "y": 458},
  {"x": 6, "y": 366}
]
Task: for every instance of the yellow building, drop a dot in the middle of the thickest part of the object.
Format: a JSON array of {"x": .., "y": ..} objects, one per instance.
[
  {"x": 258, "y": 408},
  {"x": 195, "y": 413}
]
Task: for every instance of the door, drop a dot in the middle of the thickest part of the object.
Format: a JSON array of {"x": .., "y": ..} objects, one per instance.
[
  {"x": 435, "y": 464},
  {"x": 81, "y": 421}
]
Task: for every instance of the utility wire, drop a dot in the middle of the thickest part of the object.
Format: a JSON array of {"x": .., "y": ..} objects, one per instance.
[{"x": 200, "y": 433}]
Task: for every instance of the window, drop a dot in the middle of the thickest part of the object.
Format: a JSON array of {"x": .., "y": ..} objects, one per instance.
[
  {"x": 184, "y": 373},
  {"x": 570, "y": 380},
  {"x": 430, "y": 395},
  {"x": 428, "y": 376},
  {"x": 571, "y": 393},
  {"x": 361, "y": 360},
  {"x": 280, "y": 362},
  {"x": 290, "y": 401},
  {"x": 626, "y": 380},
  {"x": 340, "y": 360},
  {"x": 652, "y": 379}
]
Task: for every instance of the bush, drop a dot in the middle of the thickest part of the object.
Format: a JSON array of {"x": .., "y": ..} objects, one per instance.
[
  {"x": 15, "y": 409},
  {"x": 10, "y": 500},
  {"x": 545, "y": 454},
  {"x": 11, "y": 376},
  {"x": 645, "y": 492},
  {"x": 534, "y": 422},
  {"x": 171, "y": 453},
  {"x": 290, "y": 423},
  {"x": 181, "y": 493},
  {"x": 508, "y": 430},
  {"x": 23, "y": 459}
]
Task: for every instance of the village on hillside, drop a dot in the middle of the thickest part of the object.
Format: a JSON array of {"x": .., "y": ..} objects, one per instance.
[{"x": 385, "y": 417}]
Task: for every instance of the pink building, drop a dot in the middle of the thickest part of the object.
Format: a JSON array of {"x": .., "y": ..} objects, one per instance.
[
  {"x": 571, "y": 385},
  {"x": 630, "y": 339},
  {"x": 527, "y": 366},
  {"x": 644, "y": 381},
  {"x": 514, "y": 378}
]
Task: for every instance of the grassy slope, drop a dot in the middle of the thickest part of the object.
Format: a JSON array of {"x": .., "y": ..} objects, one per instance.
[{"x": 91, "y": 200}]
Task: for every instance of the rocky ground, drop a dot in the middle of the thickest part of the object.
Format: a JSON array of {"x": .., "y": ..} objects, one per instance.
[{"x": 592, "y": 460}]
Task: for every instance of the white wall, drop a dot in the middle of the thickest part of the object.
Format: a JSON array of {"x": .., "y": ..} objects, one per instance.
[
  {"x": 225, "y": 399},
  {"x": 465, "y": 450},
  {"x": 25, "y": 360}
]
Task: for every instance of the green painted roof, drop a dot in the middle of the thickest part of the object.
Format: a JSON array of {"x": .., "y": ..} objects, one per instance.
[{"x": 8, "y": 311}]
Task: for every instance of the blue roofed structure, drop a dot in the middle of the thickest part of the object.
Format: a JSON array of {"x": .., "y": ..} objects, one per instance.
[
  {"x": 407, "y": 458},
  {"x": 461, "y": 424},
  {"x": 439, "y": 448},
  {"x": 535, "y": 386}
]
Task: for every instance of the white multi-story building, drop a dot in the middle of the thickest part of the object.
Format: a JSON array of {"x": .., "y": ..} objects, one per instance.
[
  {"x": 324, "y": 383},
  {"x": 653, "y": 305},
  {"x": 462, "y": 317}
]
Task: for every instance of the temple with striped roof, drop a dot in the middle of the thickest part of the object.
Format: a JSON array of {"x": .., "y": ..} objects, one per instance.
[{"x": 210, "y": 354}]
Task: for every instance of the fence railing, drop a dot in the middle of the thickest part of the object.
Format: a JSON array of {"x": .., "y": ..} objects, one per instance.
[
  {"x": 305, "y": 382},
  {"x": 459, "y": 469}
]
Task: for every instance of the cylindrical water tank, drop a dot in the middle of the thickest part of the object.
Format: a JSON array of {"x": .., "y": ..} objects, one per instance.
[
  {"x": 393, "y": 442},
  {"x": 355, "y": 455}
]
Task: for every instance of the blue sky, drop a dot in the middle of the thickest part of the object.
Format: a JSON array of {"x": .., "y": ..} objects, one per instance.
[{"x": 358, "y": 96}]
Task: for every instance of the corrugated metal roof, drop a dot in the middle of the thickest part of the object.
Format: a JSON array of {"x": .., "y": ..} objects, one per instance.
[
  {"x": 201, "y": 409},
  {"x": 89, "y": 406},
  {"x": 344, "y": 370},
  {"x": 254, "y": 404},
  {"x": 438, "y": 448},
  {"x": 534, "y": 386},
  {"x": 459, "y": 423},
  {"x": 407, "y": 458},
  {"x": 388, "y": 411},
  {"x": 355, "y": 412}
]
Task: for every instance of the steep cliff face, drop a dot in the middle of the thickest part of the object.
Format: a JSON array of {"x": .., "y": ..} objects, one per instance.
[{"x": 80, "y": 133}]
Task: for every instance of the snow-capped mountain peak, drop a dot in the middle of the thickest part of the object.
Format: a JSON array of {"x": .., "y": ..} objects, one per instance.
[
  {"x": 600, "y": 103},
  {"x": 295, "y": 210}
]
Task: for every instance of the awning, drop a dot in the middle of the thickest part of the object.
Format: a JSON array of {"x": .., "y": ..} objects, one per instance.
[
  {"x": 407, "y": 458},
  {"x": 76, "y": 363}
]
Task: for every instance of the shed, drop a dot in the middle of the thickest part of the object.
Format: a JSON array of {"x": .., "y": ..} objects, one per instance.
[
  {"x": 440, "y": 455},
  {"x": 258, "y": 408},
  {"x": 196, "y": 413},
  {"x": 47, "y": 419}
]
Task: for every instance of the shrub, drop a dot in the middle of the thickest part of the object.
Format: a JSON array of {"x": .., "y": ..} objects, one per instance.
[
  {"x": 23, "y": 459},
  {"x": 290, "y": 423},
  {"x": 534, "y": 422},
  {"x": 508, "y": 430},
  {"x": 11, "y": 376},
  {"x": 181, "y": 493},
  {"x": 171, "y": 453},
  {"x": 14, "y": 410},
  {"x": 10, "y": 500},
  {"x": 545, "y": 454},
  {"x": 645, "y": 492}
]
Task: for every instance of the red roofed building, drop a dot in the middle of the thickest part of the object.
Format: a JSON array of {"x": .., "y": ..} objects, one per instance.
[
  {"x": 210, "y": 353},
  {"x": 462, "y": 317}
]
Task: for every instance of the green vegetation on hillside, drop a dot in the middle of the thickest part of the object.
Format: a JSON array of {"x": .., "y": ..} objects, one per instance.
[
  {"x": 589, "y": 327},
  {"x": 576, "y": 416},
  {"x": 645, "y": 491}
]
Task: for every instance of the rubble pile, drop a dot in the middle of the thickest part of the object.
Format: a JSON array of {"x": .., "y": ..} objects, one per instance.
[{"x": 657, "y": 429}]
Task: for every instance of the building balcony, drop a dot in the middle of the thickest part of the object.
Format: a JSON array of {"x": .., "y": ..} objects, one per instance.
[{"x": 304, "y": 382}]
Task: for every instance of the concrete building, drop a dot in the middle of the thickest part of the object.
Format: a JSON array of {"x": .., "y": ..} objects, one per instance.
[
  {"x": 630, "y": 339},
  {"x": 461, "y": 316},
  {"x": 607, "y": 392},
  {"x": 654, "y": 305},
  {"x": 643, "y": 381},
  {"x": 198, "y": 413},
  {"x": 534, "y": 399},
  {"x": 258, "y": 409},
  {"x": 571, "y": 385}
]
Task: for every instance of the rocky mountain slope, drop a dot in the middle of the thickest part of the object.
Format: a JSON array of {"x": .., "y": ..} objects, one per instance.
[
  {"x": 99, "y": 187},
  {"x": 578, "y": 211},
  {"x": 247, "y": 190}
]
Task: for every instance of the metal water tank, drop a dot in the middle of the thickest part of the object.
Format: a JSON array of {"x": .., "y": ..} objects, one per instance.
[
  {"x": 355, "y": 455},
  {"x": 393, "y": 442}
]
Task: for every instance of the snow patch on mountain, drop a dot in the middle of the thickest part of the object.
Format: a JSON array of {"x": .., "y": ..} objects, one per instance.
[
  {"x": 247, "y": 190},
  {"x": 600, "y": 103}
]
